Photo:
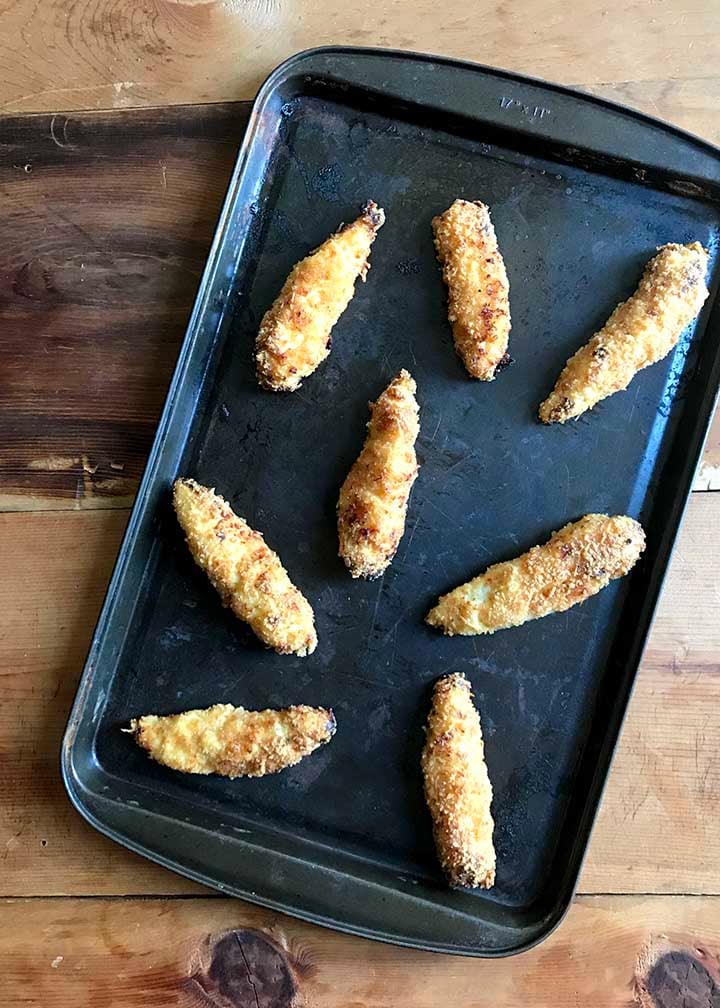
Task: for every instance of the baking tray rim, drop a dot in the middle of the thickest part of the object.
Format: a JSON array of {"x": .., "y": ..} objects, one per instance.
[
  {"x": 542, "y": 931},
  {"x": 283, "y": 72}
]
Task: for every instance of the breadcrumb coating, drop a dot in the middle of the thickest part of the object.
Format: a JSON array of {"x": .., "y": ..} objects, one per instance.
[
  {"x": 474, "y": 271},
  {"x": 244, "y": 570},
  {"x": 234, "y": 742},
  {"x": 457, "y": 786},
  {"x": 374, "y": 498},
  {"x": 294, "y": 336},
  {"x": 640, "y": 332},
  {"x": 576, "y": 563}
]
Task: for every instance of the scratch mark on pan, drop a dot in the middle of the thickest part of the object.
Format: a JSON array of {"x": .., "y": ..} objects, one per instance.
[
  {"x": 567, "y": 485},
  {"x": 480, "y": 544},
  {"x": 445, "y": 516},
  {"x": 384, "y": 682},
  {"x": 377, "y": 607},
  {"x": 632, "y": 409},
  {"x": 386, "y": 357},
  {"x": 393, "y": 628},
  {"x": 437, "y": 428},
  {"x": 462, "y": 461},
  {"x": 394, "y": 650},
  {"x": 303, "y": 174},
  {"x": 412, "y": 533},
  {"x": 477, "y": 653}
]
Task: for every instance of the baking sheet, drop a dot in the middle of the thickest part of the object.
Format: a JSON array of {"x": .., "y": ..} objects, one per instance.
[{"x": 576, "y": 226}]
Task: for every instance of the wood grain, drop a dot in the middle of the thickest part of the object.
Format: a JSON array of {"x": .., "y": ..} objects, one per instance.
[
  {"x": 106, "y": 222},
  {"x": 218, "y": 953},
  {"x": 662, "y": 798},
  {"x": 688, "y": 101},
  {"x": 56, "y": 570},
  {"x": 56, "y": 55},
  {"x": 708, "y": 474}
]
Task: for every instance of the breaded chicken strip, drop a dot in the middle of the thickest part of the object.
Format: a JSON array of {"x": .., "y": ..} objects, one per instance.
[
  {"x": 577, "y": 562},
  {"x": 294, "y": 336},
  {"x": 457, "y": 786},
  {"x": 474, "y": 271},
  {"x": 641, "y": 331},
  {"x": 232, "y": 741},
  {"x": 245, "y": 571},
  {"x": 374, "y": 498}
]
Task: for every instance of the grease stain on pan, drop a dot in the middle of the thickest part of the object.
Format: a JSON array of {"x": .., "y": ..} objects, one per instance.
[
  {"x": 174, "y": 636},
  {"x": 326, "y": 182}
]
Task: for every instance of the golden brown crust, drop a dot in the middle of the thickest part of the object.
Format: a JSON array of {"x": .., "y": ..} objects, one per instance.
[
  {"x": 374, "y": 498},
  {"x": 248, "y": 575},
  {"x": 577, "y": 562},
  {"x": 474, "y": 271},
  {"x": 640, "y": 332},
  {"x": 294, "y": 336},
  {"x": 234, "y": 742},
  {"x": 457, "y": 786}
]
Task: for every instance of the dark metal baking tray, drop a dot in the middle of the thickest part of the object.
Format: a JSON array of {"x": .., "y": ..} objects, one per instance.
[{"x": 581, "y": 193}]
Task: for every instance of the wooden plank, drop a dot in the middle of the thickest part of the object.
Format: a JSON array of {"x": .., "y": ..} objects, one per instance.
[
  {"x": 662, "y": 798},
  {"x": 615, "y": 952},
  {"x": 56, "y": 570},
  {"x": 708, "y": 474},
  {"x": 109, "y": 55},
  {"x": 659, "y": 825},
  {"x": 106, "y": 222}
]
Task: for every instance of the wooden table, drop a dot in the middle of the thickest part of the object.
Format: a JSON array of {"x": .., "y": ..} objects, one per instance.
[{"x": 105, "y": 220}]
